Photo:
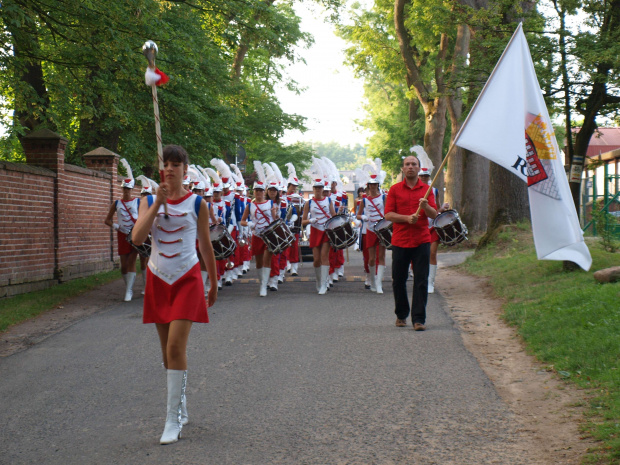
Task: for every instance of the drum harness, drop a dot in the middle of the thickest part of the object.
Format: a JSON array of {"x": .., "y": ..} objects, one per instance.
[{"x": 321, "y": 208}]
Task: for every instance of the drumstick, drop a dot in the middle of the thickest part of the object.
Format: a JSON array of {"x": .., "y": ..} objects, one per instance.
[{"x": 443, "y": 163}]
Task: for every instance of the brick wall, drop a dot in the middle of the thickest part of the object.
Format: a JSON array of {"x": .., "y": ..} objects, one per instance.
[{"x": 51, "y": 228}]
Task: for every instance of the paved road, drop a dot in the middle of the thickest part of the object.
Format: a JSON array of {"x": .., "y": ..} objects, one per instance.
[{"x": 294, "y": 378}]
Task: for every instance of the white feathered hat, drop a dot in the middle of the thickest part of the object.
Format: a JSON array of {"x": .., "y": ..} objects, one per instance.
[
  {"x": 315, "y": 172},
  {"x": 425, "y": 161},
  {"x": 129, "y": 182},
  {"x": 361, "y": 176},
  {"x": 224, "y": 170},
  {"x": 332, "y": 172},
  {"x": 239, "y": 181},
  {"x": 148, "y": 185},
  {"x": 217, "y": 182},
  {"x": 261, "y": 179},
  {"x": 278, "y": 173},
  {"x": 292, "y": 175},
  {"x": 272, "y": 178}
]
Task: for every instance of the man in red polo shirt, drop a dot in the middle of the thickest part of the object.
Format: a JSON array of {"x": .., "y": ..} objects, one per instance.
[{"x": 410, "y": 242}]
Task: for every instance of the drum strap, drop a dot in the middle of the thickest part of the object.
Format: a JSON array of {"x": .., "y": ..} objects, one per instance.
[
  {"x": 375, "y": 207},
  {"x": 133, "y": 220}
]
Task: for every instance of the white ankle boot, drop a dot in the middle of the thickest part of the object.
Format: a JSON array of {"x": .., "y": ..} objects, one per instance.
[
  {"x": 324, "y": 279},
  {"x": 176, "y": 388},
  {"x": 379, "y": 279},
  {"x": 341, "y": 271},
  {"x": 317, "y": 273},
  {"x": 294, "y": 269},
  {"x": 373, "y": 280},
  {"x": 281, "y": 276},
  {"x": 367, "y": 282},
  {"x": 129, "y": 280},
  {"x": 334, "y": 276},
  {"x": 432, "y": 272}
]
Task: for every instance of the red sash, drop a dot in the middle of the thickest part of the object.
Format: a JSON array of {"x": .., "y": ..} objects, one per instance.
[{"x": 128, "y": 212}]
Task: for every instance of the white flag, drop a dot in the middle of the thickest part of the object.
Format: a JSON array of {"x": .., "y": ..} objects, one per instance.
[{"x": 509, "y": 125}]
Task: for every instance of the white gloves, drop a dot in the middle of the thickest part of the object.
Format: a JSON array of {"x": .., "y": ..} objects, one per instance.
[
  {"x": 293, "y": 218},
  {"x": 231, "y": 227},
  {"x": 313, "y": 220},
  {"x": 115, "y": 226},
  {"x": 364, "y": 217},
  {"x": 250, "y": 224}
]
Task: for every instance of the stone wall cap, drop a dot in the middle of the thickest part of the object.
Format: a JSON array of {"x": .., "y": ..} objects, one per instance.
[
  {"x": 45, "y": 134},
  {"x": 99, "y": 151}
]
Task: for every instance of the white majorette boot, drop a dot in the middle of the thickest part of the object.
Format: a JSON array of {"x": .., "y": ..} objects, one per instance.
[
  {"x": 129, "y": 280},
  {"x": 367, "y": 282},
  {"x": 432, "y": 272},
  {"x": 184, "y": 416},
  {"x": 317, "y": 273},
  {"x": 334, "y": 276},
  {"x": 288, "y": 266},
  {"x": 176, "y": 387},
  {"x": 294, "y": 269},
  {"x": 324, "y": 277},
  {"x": 272, "y": 284},
  {"x": 379, "y": 279},
  {"x": 205, "y": 278},
  {"x": 281, "y": 276},
  {"x": 373, "y": 279},
  {"x": 341, "y": 271},
  {"x": 262, "y": 281},
  {"x": 228, "y": 278}
]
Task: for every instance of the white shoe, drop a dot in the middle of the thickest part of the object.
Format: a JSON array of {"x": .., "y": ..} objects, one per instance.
[
  {"x": 367, "y": 281},
  {"x": 294, "y": 269},
  {"x": 334, "y": 277},
  {"x": 129, "y": 279},
  {"x": 281, "y": 276},
  {"x": 373, "y": 280},
  {"x": 341, "y": 271},
  {"x": 317, "y": 273},
  {"x": 288, "y": 266},
  {"x": 379, "y": 279},
  {"x": 176, "y": 388}
]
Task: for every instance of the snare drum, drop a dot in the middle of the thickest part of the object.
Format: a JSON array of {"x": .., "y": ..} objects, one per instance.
[
  {"x": 277, "y": 236},
  {"x": 340, "y": 232},
  {"x": 223, "y": 243},
  {"x": 383, "y": 230},
  {"x": 450, "y": 228},
  {"x": 143, "y": 250}
]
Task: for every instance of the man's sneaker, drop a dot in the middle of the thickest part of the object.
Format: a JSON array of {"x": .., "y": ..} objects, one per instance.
[
  {"x": 418, "y": 327},
  {"x": 401, "y": 323}
]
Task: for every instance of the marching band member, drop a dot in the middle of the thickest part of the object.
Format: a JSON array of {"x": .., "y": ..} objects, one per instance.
[
  {"x": 336, "y": 256},
  {"x": 371, "y": 210},
  {"x": 228, "y": 196},
  {"x": 316, "y": 213},
  {"x": 291, "y": 197},
  {"x": 425, "y": 176},
  {"x": 127, "y": 214},
  {"x": 261, "y": 213},
  {"x": 239, "y": 206},
  {"x": 175, "y": 293},
  {"x": 282, "y": 257},
  {"x": 149, "y": 187},
  {"x": 220, "y": 212},
  {"x": 273, "y": 194}
]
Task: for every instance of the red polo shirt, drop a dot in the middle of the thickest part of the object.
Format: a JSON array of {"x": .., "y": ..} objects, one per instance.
[{"x": 405, "y": 201}]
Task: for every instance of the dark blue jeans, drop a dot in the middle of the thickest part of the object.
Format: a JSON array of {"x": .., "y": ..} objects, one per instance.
[{"x": 401, "y": 258}]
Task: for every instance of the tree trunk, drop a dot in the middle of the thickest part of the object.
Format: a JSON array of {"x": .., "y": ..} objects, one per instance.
[{"x": 475, "y": 208}]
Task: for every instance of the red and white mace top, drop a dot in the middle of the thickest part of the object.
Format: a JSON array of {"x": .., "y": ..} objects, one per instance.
[{"x": 173, "y": 249}]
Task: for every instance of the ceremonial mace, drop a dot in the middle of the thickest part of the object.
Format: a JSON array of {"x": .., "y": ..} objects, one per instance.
[{"x": 149, "y": 49}]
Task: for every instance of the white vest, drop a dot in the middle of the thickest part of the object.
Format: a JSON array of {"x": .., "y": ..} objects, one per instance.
[
  {"x": 321, "y": 215},
  {"x": 261, "y": 220},
  {"x": 374, "y": 214},
  {"x": 125, "y": 223},
  {"x": 173, "y": 249}
]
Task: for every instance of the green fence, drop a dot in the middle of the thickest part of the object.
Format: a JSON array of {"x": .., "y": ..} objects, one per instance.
[{"x": 608, "y": 201}]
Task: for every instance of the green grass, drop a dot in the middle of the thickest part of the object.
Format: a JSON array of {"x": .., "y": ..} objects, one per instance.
[
  {"x": 22, "y": 307},
  {"x": 568, "y": 321}
]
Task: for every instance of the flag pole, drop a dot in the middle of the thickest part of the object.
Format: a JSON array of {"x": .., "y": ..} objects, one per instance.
[{"x": 453, "y": 144}]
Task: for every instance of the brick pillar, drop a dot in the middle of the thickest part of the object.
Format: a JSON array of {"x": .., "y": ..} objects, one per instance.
[
  {"x": 102, "y": 159},
  {"x": 46, "y": 149}
]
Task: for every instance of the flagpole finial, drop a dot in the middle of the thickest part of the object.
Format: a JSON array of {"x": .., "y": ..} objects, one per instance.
[{"x": 149, "y": 49}]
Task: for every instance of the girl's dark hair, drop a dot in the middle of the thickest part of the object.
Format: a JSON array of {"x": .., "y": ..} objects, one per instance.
[
  {"x": 277, "y": 199},
  {"x": 175, "y": 153}
]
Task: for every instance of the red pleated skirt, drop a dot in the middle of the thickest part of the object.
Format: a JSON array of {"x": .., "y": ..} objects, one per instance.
[{"x": 182, "y": 300}]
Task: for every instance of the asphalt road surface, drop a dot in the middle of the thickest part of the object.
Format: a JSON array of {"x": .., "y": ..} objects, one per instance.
[{"x": 293, "y": 378}]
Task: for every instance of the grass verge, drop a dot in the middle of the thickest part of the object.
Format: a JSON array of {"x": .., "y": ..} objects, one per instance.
[
  {"x": 568, "y": 321},
  {"x": 22, "y": 307}
]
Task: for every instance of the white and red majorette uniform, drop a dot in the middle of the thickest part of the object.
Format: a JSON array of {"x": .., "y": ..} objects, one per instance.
[
  {"x": 374, "y": 209},
  {"x": 127, "y": 214},
  {"x": 174, "y": 289},
  {"x": 278, "y": 261},
  {"x": 336, "y": 257},
  {"x": 363, "y": 230},
  {"x": 219, "y": 211},
  {"x": 260, "y": 214},
  {"x": 320, "y": 211},
  {"x": 292, "y": 253}
]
